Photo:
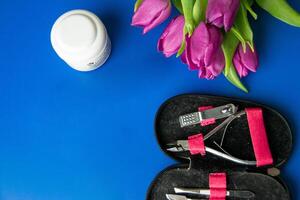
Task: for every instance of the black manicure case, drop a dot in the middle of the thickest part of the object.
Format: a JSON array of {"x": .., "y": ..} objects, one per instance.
[{"x": 193, "y": 171}]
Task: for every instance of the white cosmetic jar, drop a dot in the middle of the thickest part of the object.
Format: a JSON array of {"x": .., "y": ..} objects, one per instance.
[{"x": 81, "y": 40}]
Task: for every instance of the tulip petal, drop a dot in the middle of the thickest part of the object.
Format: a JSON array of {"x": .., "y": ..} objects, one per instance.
[
  {"x": 202, "y": 48},
  {"x": 209, "y": 54},
  {"x": 151, "y": 13},
  {"x": 202, "y": 73},
  {"x": 198, "y": 43},
  {"x": 245, "y": 61},
  {"x": 221, "y": 13},
  {"x": 239, "y": 66},
  {"x": 171, "y": 39},
  {"x": 215, "y": 39},
  {"x": 230, "y": 16},
  {"x": 186, "y": 56},
  {"x": 214, "y": 11},
  {"x": 205, "y": 73},
  {"x": 158, "y": 20},
  {"x": 249, "y": 59},
  {"x": 218, "y": 64},
  {"x": 244, "y": 72}
]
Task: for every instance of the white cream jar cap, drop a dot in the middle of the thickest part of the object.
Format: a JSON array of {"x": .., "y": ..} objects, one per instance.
[{"x": 81, "y": 40}]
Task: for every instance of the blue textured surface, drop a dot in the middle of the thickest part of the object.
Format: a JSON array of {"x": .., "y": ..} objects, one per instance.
[{"x": 71, "y": 135}]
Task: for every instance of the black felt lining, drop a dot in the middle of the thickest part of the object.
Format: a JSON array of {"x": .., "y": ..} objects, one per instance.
[
  {"x": 264, "y": 187},
  {"x": 237, "y": 141}
]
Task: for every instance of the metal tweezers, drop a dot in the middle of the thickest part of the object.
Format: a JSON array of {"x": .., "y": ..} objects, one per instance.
[
  {"x": 182, "y": 145},
  {"x": 243, "y": 194}
]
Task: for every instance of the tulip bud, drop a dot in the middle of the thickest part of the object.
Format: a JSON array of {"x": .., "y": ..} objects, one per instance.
[
  {"x": 203, "y": 51},
  {"x": 245, "y": 61},
  {"x": 221, "y": 13},
  {"x": 151, "y": 13},
  {"x": 212, "y": 71},
  {"x": 171, "y": 39}
]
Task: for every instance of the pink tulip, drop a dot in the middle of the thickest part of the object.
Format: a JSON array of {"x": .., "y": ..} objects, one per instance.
[
  {"x": 245, "y": 61},
  {"x": 151, "y": 13},
  {"x": 215, "y": 69},
  {"x": 171, "y": 39},
  {"x": 203, "y": 51},
  {"x": 221, "y": 13}
]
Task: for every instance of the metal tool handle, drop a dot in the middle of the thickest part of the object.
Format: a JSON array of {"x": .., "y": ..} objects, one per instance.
[
  {"x": 214, "y": 113},
  {"x": 243, "y": 194},
  {"x": 229, "y": 157}
]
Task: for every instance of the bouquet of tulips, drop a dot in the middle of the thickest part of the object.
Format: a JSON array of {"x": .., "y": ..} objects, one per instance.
[{"x": 211, "y": 36}]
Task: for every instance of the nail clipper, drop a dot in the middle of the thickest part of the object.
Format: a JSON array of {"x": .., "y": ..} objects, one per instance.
[{"x": 229, "y": 111}]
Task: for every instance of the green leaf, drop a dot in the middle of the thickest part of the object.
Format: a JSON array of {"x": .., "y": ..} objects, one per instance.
[
  {"x": 137, "y": 4},
  {"x": 233, "y": 78},
  {"x": 182, "y": 48},
  {"x": 242, "y": 28},
  {"x": 248, "y": 5},
  {"x": 281, "y": 10},
  {"x": 199, "y": 11},
  {"x": 188, "y": 6},
  {"x": 183, "y": 44},
  {"x": 250, "y": 2},
  {"x": 229, "y": 46},
  {"x": 178, "y": 5},
  {"x": 239, "y": 36}
]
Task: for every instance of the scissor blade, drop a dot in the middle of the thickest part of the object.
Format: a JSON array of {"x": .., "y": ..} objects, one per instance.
[{"x": 178, "y": 146}]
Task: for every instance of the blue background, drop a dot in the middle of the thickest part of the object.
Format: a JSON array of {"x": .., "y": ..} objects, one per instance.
[{"x": 71, "y": 135}]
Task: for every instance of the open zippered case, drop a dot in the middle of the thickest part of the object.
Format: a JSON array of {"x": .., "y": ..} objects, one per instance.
[{"x": 242, "y": 138}]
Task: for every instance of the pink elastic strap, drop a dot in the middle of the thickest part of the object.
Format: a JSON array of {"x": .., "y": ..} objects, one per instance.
[
  {"x": 218, "y": 186},
  {"x": 259, "y": 137},
  {"x": 196, "y": 144},
  {"x": 206, "y": 122}
]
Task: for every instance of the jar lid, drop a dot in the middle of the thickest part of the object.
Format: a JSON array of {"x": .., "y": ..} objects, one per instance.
[{"x": 78, "y": 36}]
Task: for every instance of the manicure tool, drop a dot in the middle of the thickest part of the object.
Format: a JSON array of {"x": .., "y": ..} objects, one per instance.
[
  {"x": 229, "y": 111},
  {"x": 245, "y": 194},
  {"x": 179, "y": 197},
  {"x": 214, "y": 113}
]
